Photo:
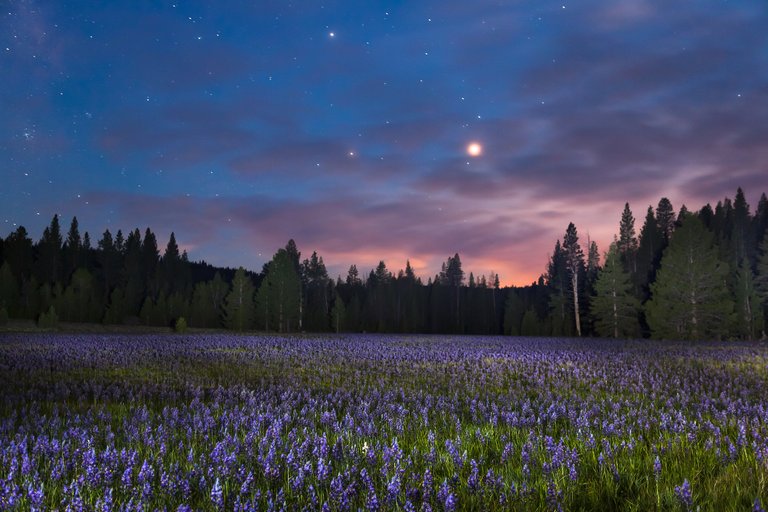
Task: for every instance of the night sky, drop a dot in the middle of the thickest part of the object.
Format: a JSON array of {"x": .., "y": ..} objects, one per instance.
[{"x": 346, "y": 125}]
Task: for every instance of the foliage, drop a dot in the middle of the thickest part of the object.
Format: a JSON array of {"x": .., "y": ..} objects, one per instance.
[
  {"x": 48, "y": 320},
  {"x": 279, "y": 296},
  {"x": 181, "y": 325},
  {"x": 690, "y": 299},
  {"x": 614, "y": 306},
  {"x": 238, "y": 305}
]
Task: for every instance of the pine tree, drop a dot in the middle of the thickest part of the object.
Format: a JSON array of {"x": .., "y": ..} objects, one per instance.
[
  {"x": 238, "y": 305},
  {"x": 665, "y": 216},
  {"x": 353, "y": 277},
  {"x": 690, "y": 299},
  {"x": 108, "y": 262},
  {"x": 761, "y": 279},
  {"x": 316, "y": 282},
  {"x": 574, "y": 262},
  {"x": 82, "y": 303},
  {"x": 749, "y": 315},
  {"x": 557, "y": 282},
  {"x": 150, "y": 257},
  {"x": 338, "y": 314},
  {"x": 18, "y": 252},
  {"x": 72, "y": 249},
  {"x": 741, "y": 236},
  {"x": 279, "y": 294},
  {"x": 514, "y": 311},
  {"x": 627, "y": 243},
  {"x": 648, "y": 254},
  {"x": 9, "y": 289},
  {"x": 49, "y": 248},
  {"x": 614, "y": 307}
]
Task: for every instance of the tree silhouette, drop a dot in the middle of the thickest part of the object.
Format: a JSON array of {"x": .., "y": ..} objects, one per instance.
[
  {"x": 689, "y": 299},
  {"x": 238, "y": 305},
  {"x": 614, "y": 307}
]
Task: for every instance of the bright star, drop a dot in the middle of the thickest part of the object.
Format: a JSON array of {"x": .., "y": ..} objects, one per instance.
[{"x": 474, "y": 149}]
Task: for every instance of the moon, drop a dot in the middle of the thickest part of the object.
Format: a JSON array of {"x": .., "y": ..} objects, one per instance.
[{"x": 474, "y": 149}]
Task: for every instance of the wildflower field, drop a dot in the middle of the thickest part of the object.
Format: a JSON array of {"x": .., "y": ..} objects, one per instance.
[{"x": 148, "y": 422}]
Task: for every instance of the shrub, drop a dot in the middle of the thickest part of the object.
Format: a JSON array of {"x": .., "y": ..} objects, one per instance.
[
  {"x": 3, "y": 316},
  {"x": 49, "y": 320},
  {"x": 181, "y": 325}
]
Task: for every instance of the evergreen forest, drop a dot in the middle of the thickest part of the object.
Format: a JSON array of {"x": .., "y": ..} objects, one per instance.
[{"x": 681, "y": 274}]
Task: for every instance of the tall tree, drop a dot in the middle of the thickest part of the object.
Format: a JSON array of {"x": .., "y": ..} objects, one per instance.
[
  {"x": 761, "y": 280},
  {"x": 108, "y": 262},
  {"x": 49, "y": 249},
  {"x": 208, "y": 301},
  {"x": 557, "y": 281},
  {"x": 338, "y": 314},
  {"x": 317, "y": 293},
  {"x": 353, "y": 277},
  {"x": 749, "y": 315},
  {"x": 18, "y": 252},
  {"x": 453, "y": 277},
  {"x": 648, "y": 254},
  {"x": 665, "y": 216},
  {"x": 238, "y": 305},
  {"x": 741, "y": 236},
  {"x": 627, "y": 244},
  {"x": 690, "y": 299},
  {"x": 279, "y": 294},
  {"x": 72, "y": 249},
  {"x": 614, "y": 307},
  {"x": 574, "y": 261},
  {"x": 9, "y": 289},
  {"x": 150, "y": 257}
]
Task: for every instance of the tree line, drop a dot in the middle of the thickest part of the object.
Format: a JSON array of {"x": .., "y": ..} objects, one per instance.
[{"x": 686, "y": 275}]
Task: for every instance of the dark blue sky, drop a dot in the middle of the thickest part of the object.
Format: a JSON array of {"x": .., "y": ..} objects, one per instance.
[{"x": 345, "y": 124}]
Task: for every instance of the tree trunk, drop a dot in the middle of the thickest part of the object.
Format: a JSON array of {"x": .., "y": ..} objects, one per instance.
[{"x": 575, "y": 286}]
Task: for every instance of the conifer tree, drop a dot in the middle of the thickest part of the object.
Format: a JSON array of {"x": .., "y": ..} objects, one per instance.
[
  {"x": 72, "y": 249},
  {"x": 741, "y": 236},
  {"x": 614, "y": 307},
  {"x": 665, "y": 217},
  {"x": 108, "y": 262},
  {"x": 749, "y": 315},
  {"x": 627, "y": 244},
  {"x": 316, "y": 294},
  {"x": 648, "y": 254},
  {"x": 238, "y": 305},
  {"x": 761, "y": 279},
  {"x": 557, "y": 281},
  {"x": 514, "y": 312},
  {"x": 9, "y": 289},
  {"x": 279, "y": 294},
  {"x": 338, "y": 314},
  {"x": 18, "y": 252},
  {"x": 690, "y": 299},
  {"x": 49, "y": 249},
  {"x": 574, "y": 261}
]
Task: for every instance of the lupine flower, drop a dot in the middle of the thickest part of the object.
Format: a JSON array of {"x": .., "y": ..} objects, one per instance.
[
  {"x": 217, "y": 495},
  {"x": 683, "y": 493}
]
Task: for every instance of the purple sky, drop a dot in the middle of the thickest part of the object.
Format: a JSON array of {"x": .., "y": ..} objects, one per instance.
[{"x": 344, "y": 125}]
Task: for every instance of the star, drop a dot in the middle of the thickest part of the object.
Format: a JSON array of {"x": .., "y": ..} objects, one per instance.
[{"x": 474, "y": 149}]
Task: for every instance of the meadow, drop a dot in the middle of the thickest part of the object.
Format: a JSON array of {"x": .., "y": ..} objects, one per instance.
[{"x": 349, "y": 422}]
